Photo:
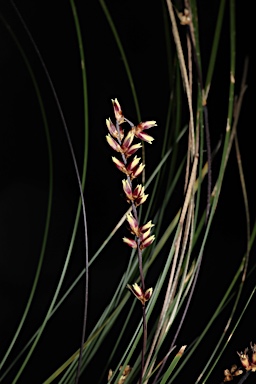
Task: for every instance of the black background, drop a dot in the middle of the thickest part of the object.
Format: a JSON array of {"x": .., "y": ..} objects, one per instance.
[{"x": 24, "y": 166}]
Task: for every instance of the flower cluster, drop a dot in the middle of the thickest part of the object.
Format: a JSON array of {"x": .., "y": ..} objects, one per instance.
[
  {"x": 141, "y": 233},
  {"x": 248, "y": 361},
  {"x": 123, "y": 143},
  {"x": 138, "y": 292},
  {"x": 248, "y": 358},
  {"x": 230, "y": 374}
]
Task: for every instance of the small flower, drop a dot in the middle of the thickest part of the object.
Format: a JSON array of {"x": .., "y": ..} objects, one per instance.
[
  {"x": 139, "y": 131},
  {"x": 229, "y": 374},
  {"x": 126, "y": 148},
  {"x": 127, "y": 141},
  {"x": 113, "y": 131},
  {"x": 138, "y": 171},
  {"x": 145, "y": 238},
  {"x": 120, "y": 165},
  {"x": 138, "y": 292},
  {"x": 127, "y": 189},
  {"x": 130, "y": 242},
  {"x": 143, "y": 233},
  {"x": 138, "y": 191},
  {"x": 148, "y": 294},
  {"x": 134, "y": 225},
  {"x": 118, "y": 112},
  {"x": 145, "y": 227},
  {"x": 147, "y": 242},
  {"x": 134, "y": 163},
  {"x": 145, "y": 137},
  {"x": 134, "y": 169},
  {"x": 131, "y": 150},
  {"x": 113, "y": 144},
  {"x": 139, "y": 196}
]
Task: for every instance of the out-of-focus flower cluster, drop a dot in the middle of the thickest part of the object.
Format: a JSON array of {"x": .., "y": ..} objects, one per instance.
[
  {"x": 248, "y": 358},
  {"x": 124, "y": 375},
  {"x": 248, "y": 361}
]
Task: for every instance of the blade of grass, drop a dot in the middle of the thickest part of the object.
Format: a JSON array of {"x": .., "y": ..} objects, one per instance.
[{"x": 215, "y": 46}]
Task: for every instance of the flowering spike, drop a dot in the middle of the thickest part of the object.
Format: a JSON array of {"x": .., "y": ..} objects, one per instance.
[
  {"x": 118, "y": 112},
  {"x": 124, "y": 145}
]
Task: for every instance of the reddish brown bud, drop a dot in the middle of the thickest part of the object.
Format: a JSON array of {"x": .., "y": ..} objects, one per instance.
[
  {"x": 147, "y": 242},
  {"x": 118, "y": 112},
  {"x": 127, "y": 189},
  {"x": 134, "y": 225},
  {"x": 113, "y": 130},
  {"x": 113, "y": 144},
  {"x": 120, "y": 165},
  {"x": 131, "y": 150},
  {"x": 139, "y": 131}
]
